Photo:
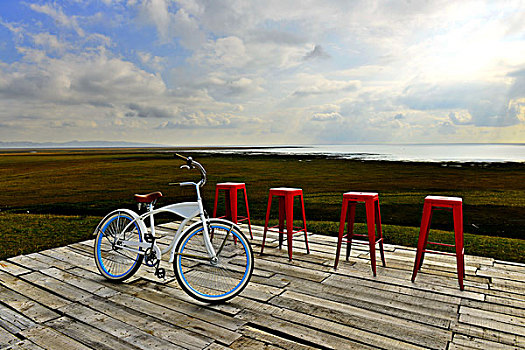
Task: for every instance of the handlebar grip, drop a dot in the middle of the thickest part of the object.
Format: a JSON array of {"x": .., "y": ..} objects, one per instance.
[
  {"x": 176, "y": 155},
  {"x": 181, "y": 184}
]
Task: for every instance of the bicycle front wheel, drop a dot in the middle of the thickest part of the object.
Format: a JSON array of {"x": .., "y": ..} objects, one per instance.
[
  {"x": 116, "y": 247},
  {"x": 213, "y": 280}
]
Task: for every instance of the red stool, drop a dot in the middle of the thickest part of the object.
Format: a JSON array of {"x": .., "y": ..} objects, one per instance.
[
  {"x": 442, "y": 203},
  {"x": 373, "y": 220},
  {"x": 286, "y": 200},
  {"x": 231, "y": 189}
]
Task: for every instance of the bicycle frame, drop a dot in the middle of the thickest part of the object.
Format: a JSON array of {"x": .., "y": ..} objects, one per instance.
[{"x": 186, "y": 210}]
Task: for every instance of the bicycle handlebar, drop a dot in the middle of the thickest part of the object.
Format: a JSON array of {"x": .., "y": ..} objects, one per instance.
[{"x": 191, "y": 164}]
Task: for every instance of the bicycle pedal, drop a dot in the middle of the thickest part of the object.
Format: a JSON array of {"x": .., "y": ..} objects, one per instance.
[
  {"x": 149, "y": 238},
  {"x": 160, "y": 273}
]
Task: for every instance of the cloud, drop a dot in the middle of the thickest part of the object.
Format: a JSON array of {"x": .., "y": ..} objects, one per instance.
[
  {"x": 326, "y": 117},
  {"x": 59, "y": 16},
  {"x": 481, "y": 103},
  {"x": 319, "y": 85},
  {"x": 201, "y": 120},
  {"x": 462, "y": 117},
  {"x": 317, "y": 53},
  {"x": 145, "y": 111}
]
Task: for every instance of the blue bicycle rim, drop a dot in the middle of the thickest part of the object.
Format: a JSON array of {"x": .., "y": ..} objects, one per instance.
[
  {"x": 99, "y": 257},
  {"x": 207, "y": 295}
]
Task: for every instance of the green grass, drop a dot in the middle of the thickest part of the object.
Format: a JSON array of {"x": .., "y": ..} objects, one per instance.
[
  {"x": 28, "y": 233},
  {"x": 90, "y": 183}
]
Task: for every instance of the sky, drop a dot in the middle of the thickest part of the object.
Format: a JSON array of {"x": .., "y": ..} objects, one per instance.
[{"x": 238, "y": 72}]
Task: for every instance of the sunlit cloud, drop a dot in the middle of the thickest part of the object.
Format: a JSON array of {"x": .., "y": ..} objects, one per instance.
[{"x": 230, "y": 72}]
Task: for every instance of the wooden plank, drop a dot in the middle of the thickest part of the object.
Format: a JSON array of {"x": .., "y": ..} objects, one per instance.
[
  {"x": 491, "y": 320},
  {"x": 48, "y": 338},
  {"x": 50, "y": 261},
  {"x": 291, "y": 270},
  {"x": 508, "y": 309},
  {"x": 496, "y": 299},
  {"x": 208, "y": 329},
  {"x": 423, "y": 282},
  {"x": 7, "y": 338},
  {"x": 503, "y": 274},
  {"x": 25, "y": 306},
  {"x": 13, "y": 321},
  {"x": 88, "y": 335},
  {"x": 369, "y": 321},
  {"x": 476, "y": 331},
  {"x": 40, "y": 295},
  {"x": 28, "y": 262},
  {"x": 68, "y": 255},
  {"x": 509, "y": 286},
  {"x": 427, "y": 311},
  {"x": 299, "y": 333},
  {"x": 56, "y": 286},
  {"x": 491, "y": 315},
  {"x": 12, "y": 269},
  {"x": 482, "y": 344},
  {"x": 24, "y": 345},
  {"x": 138, "y": 319},
  {"x": 272, "y": 339},
  {"x": 146, "y": 336},
  {"x": 94, "y": 287}
]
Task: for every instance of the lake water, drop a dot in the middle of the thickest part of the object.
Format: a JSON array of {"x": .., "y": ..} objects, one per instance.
[{"x": 399, "y": 152}]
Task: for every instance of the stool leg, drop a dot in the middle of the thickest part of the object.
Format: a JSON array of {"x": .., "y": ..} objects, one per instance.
[
  {"x": 248, "y": 213},
  {"x": 423, "y": 232},
  {"x": 228, "y": 203},
  {"x": 304, "y": 226},
  {"x": 458, "y": 233},
  {"x": 370, "y": 222},
  {"x": 341, "y": 232},
  {"x": 426, "y": 240},
  {"x": 233, "y": 205},
  {"x": 282, "y": 215},
  {"x": 350, "y": 228},
  {"x": 379, "y": 232},
  {"x": 266, "y": 222},
  {"x": 215, "y": 205},
  {"x": 289, "y": 224}
]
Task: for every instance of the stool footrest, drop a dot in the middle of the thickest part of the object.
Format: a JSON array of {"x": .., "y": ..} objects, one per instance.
[
  {"x": 345, "y": 239},
  {"x": 442, "y": 244},
  {"x": 438, "y": 252},
  {"x": 275, "y": 229}
]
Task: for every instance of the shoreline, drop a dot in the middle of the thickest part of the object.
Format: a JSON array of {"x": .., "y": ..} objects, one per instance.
[{"x": 242, "y": 151}]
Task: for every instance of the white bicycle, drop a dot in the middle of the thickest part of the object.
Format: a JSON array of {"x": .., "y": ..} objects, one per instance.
[{"x": 212, "y": 259}]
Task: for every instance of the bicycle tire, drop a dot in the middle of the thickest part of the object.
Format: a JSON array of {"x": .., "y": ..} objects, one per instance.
[
  {"x": 214, "y": 282},
  {"x": 117, "y": 264}
]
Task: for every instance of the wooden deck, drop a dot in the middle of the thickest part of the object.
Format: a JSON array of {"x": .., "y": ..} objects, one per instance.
[{"x": 55, "y": 299}]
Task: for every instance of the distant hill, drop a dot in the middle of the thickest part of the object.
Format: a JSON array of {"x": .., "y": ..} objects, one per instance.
[{"x": 76, "y": 144}]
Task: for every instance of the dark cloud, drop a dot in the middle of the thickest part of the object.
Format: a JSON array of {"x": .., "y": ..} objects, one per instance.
[
  {"x": 487, "y": 103},
  {"x": 317, "y": 53},
  {"x": 136, "y": 110}
]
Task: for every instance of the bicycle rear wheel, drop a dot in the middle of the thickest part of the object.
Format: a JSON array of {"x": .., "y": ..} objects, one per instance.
[
  {"x": 213, "y": 281},
  {"x": 114, "y": 262}
]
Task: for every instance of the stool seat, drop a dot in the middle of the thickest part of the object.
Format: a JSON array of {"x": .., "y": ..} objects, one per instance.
[
  {"x": 360, "y": 196},
  {"x": 430, "y": 204},
  {"x": 445, "y": 201},
  {"x": 286, "y": 197},
  {"x": 228, "y": 185},
  {"x": 373, "y": 220},
  {"x": 231, "y": 189}
]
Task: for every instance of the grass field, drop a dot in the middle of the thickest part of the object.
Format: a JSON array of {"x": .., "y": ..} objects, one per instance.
[{"x": 86, "y": 184}]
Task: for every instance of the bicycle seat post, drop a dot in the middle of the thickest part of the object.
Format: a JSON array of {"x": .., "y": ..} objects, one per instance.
[{"x": 150, "y": 207}]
